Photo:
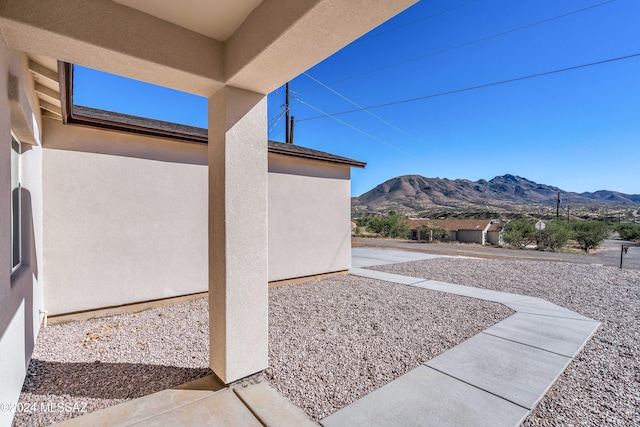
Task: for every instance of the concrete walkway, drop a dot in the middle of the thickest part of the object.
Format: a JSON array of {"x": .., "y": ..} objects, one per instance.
[
  {"x": 493, "y": 379},
  {"x": 367, "y": 257}
]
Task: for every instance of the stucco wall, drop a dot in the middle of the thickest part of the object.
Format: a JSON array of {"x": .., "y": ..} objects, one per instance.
[
  {"x": 126, "y": 218},
  {"x": 20, "y": 292},
  {"x": 469, "y": 236},
  {"x": 309, "y": 217},
  {"x": 493, "y": 237}
]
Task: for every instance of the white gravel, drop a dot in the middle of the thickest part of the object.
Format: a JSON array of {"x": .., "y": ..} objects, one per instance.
[
  {"x": 602, "y": 385},
  {"x": 101, "y": 362},
  {"x": 333, "y": 341},
  {"x": 336, "y": 340},
  {"x": 330, "y": 342}
]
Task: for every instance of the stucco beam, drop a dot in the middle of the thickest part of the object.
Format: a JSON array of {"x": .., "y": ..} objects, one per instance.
[
  {"x": 281, "y": 39},
  {"x": 108, "y": 36},
  {"x": 23, "y": 119}
]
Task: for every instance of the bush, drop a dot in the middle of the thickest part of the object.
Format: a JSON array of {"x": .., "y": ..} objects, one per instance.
[
  {"x": 589, "y": 234},
  {"x": 519, "y": 232},
  {"x": 629, "y": 231},
  {"x": 555, "y": 235},
  {"x": 394, "y": 226}
]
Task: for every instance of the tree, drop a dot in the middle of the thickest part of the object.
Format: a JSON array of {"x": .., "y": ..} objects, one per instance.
[
  {"x": 434, "y": 231},
  {"x": 629, "y": 231},
  {"x": 555, "y": 235},
  {"x": 519, "y": 232},
  {"x": 589, "y": 234},
  {"x": 393, "y": 225}
]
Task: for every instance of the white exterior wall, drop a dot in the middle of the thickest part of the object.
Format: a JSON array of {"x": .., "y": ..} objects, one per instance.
[
  {"x": 20, "y": 292},
  {"x": 126, "y": 218},
  {"x": 493, "y": 237},
  {"x": 309, "y": 217},
  {"x": 470, "y": 236}
]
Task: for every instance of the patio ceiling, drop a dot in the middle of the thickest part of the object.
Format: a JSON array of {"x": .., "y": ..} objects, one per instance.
[
  {"x": 216, "y": 19},
  {"x": 195, "y": 46}
]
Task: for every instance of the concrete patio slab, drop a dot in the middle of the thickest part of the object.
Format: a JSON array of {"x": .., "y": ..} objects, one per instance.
[
  {"x": 271, "y": 408},
  {"x": 222, "y": 408},
  {"x": 138, "y": 410},
  {"x": 558, "y": 335},
  {"x": 425, "y": 397},
  {"x": 516, "y": 372},
  {"x": 203, "y": 402}
]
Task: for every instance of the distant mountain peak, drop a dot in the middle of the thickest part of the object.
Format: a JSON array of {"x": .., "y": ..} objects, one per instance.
[{"x": 416, "y": 191}]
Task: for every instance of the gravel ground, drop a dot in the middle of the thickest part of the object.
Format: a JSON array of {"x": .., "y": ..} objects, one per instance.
[
  {"x": 102, "y": 362},
  {"x": 335, "y": 340},
  {"x": 602, "y": 385},
  {"x": 330, "y": 342}
]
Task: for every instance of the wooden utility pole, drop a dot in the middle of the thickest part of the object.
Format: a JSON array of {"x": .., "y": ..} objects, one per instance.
[
  {"x": 293, "y": 120},
  {"x": 288, "y": 115},
  {"x": 558, "y": 207}
]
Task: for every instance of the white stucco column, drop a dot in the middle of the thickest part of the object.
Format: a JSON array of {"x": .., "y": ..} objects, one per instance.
[{"x": 238, "y": 291}]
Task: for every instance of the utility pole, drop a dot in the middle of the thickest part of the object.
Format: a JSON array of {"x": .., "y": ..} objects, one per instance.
[
  {"x": 558, "y": 207},
  {"x": 288, "y": 115},
  {"x": 567, "y": 214},
  {"x": 293, "y": 120}
]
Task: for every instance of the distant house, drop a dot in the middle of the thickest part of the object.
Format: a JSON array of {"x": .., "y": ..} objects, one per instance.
[{"x": 481, "y": 231}]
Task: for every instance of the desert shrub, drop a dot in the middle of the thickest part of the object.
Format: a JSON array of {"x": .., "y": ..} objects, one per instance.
[
  {"x": 589, "y": 234},
  {"x": 555, "y": 235},
  {"x": 629, "y": 231},
  {"x": 393, "y": 225},
  {"x": 519, "y": 232}
]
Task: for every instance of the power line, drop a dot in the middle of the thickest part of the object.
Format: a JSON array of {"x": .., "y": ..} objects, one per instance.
[
  {"x": 375, "y": 138},
  {"x": 449, "y": 49},
  {"x": 364, "y": 109},
  {"x": 451, "y": 92},
  {"x": 277, "y": 120},
  {"x": 415, "y": 22}
]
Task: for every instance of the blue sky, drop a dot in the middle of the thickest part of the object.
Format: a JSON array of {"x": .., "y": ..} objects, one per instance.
[{"x": 578, "y": 130}]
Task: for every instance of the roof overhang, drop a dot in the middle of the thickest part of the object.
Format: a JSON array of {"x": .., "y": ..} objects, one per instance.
[
  {"x": 307, "y": 153},
  {"x": 276, "y": 40}
]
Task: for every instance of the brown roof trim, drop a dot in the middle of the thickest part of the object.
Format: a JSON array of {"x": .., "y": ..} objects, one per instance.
[
  {"x": 308, "y": 153},
  {"x": 86, "y": 116}
]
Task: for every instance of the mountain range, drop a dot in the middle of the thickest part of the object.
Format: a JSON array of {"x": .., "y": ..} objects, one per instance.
[{"x": 417, "y": 192}]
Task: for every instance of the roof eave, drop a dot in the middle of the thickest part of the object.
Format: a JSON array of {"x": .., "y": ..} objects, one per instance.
[{"x": 348, "y": 162}]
